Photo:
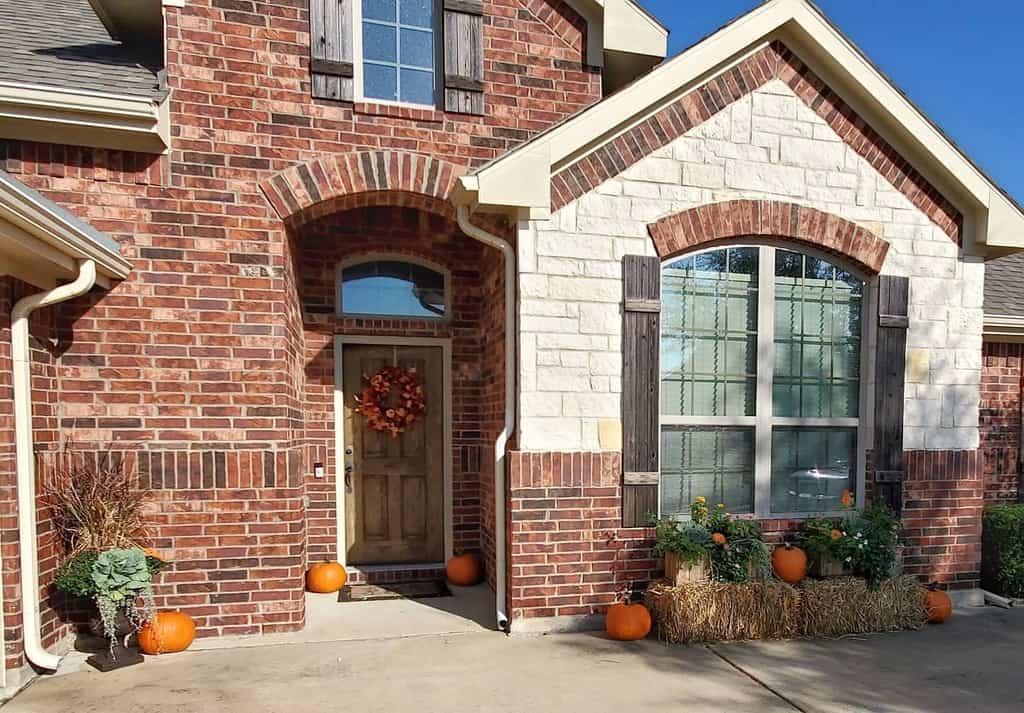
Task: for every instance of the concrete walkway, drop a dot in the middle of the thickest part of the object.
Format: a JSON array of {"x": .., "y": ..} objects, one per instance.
[{"x": 974, "y": 663}]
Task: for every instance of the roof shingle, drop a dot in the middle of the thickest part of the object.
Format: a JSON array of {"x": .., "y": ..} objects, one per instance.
[
  {"x": 62, "y": 43},
  {"x": 1004, "y": 286}
]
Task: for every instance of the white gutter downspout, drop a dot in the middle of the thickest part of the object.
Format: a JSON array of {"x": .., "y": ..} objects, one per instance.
[
  {"x": 26, "y": 466},
  {"x": 501, "y": 442}
]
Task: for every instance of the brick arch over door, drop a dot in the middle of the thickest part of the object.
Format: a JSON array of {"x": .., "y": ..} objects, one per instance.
[
  {"x": 712, "y": 223},
  {"x": 360, "y": 179}
]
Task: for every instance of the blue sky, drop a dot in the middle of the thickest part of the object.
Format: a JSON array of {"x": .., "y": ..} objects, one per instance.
[{"x": 958, "y": 60}]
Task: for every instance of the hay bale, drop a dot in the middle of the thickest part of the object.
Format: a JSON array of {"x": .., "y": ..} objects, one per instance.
[
  {"x": 718, "y": 611},
  {"x": 844, "y": 605}
]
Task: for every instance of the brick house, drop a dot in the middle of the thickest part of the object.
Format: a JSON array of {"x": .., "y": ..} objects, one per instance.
[{"x": 754, "y": 271}]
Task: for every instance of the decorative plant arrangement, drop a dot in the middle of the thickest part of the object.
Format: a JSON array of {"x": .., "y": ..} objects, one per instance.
[
  {"x": 738, "y": 600},
  {"x": 733, "y": 549},
  {"x": 393, "y": 401},
  {"x": 865, "y": 542},
  {"x": 98, "y": 513}
]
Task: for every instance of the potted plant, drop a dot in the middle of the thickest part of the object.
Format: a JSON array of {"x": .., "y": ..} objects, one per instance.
[
  {"x": 98, "y": 513},
  {"x": 864, "y": 544},
  {"x": 712, "y": 545},
  {"x": 818, "y": 539}
]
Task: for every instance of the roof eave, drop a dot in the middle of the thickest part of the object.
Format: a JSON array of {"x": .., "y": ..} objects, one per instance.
[
  {"x": 97, "y": 119},
  {"x": 1003, "y": 328},
  {"x": 41, "y": 242},
  {"x": 996, "y": 222}
]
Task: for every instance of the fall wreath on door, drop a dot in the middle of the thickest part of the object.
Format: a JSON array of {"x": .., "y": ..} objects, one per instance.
[{"x": 393, "y": 401}]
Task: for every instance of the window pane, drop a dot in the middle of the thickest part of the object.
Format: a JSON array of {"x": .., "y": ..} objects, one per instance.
[
  {"x": 709, "y": 334},
  {"x": 417, "y": 86},
  {"x": 381, "y": 82},
  {"x": 417, "y": 49},
  {"x": 817, "y": 338},
  {"x": 392, "y": 288},
  {"x": 811, "y": 467},
  {"x": 717, "y": 463},
  {"x": 379, "y": 43},
  {"x": 379, "y": 10},
  {"x": 417, "y": 13}
]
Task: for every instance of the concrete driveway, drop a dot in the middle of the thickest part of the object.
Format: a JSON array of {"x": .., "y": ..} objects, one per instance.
[{"x": 973, "y": 663}]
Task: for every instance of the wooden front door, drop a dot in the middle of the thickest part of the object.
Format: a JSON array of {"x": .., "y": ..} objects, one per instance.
[{"x": 394, "y": 490}]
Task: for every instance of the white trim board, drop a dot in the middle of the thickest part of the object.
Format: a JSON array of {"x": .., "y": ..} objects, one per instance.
[{"x": 340, "y": 340}]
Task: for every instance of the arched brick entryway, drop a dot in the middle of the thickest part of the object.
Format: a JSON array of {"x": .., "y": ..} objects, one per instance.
[
  {"x": 360, "y": 179},
  {"x": 716, "y": 222}
]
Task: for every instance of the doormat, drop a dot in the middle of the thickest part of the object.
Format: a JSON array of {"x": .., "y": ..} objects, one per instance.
[{"x": 404, "y": 590}]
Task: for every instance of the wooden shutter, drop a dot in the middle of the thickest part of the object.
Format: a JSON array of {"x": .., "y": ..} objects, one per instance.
[
  {"x": 464, "y": 56},
  {"x": 330, "y": 48},
  {"x": 890, "y": 370},
  {"x": 641, "y": 332}
]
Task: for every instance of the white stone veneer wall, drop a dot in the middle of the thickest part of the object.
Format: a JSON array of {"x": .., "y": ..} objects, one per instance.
[{"x": 769, "y": 145}]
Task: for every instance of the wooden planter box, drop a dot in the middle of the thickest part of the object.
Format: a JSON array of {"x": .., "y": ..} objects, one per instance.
[
  {"x": 679, "y": 573},
  {"x": 824, "y": 566}
]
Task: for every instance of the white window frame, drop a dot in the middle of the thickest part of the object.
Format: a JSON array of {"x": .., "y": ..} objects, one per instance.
[
  {"x": 763, "y": 421},
  {"x": 393, "y": 257},
  {"x": 358, "y": 92}
]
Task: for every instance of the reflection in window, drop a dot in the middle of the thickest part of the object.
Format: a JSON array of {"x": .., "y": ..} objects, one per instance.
[
  {"x": 709, "y": 334},
  {"x": 398, "y": 50},
  {"x": 394, "y": 289},
  {"x": 760, "y": 434}
]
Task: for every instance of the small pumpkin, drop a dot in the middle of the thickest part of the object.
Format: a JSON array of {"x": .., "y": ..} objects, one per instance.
[
  {"x": 326, "y": 577},
  {"x": 789, "y": 563},
  {"x": 938, "y": 606},
  {"x": 836, "y": 534},
  {"x": 627, "y": 622},
  {"x": 155, "y": 554},
  {"x": 168, "y": 632},
  {"x": 465, "y": 570},
  {"x": 718, "y": 538}
]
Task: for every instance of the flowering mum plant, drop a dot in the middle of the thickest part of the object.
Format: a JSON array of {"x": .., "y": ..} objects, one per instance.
[
  {"x": 393, "y": 401},
  {"x": 865, "y": 542},
  {"x": 734, "y": 548}
]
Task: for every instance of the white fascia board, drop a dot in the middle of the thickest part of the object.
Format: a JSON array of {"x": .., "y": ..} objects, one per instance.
[
  {"x": 57, "y": 115},
  {"x": 630, "y": 28},
  {"x": 620, "y": 26},
  {"x": 805, "y": 29},
  {"x": 1003, "y": 328},
  {"x": 39, "y": 230}
]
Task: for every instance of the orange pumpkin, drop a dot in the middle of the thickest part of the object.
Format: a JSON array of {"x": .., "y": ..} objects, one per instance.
[
  {"x": 718, "y": 538},
  {"x": 465, "y": 570},
  {"x": 627, "y": 622},
  {"x": 789, "y": 563},
  {"x": 150, "y": 552},
  {"x": 326, "y": 577},
  {"x": 168, "y": 632},
  {"x": 938, "y": 606}
]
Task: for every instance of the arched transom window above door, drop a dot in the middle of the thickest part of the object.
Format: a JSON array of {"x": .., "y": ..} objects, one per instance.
[
  {"x": 393, "y": 286},
  {"x": 761, "y": 353}
]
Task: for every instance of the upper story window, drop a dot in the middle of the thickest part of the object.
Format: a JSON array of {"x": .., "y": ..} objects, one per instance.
[
  {"x": 761, "y": 381},
  {"x": 392, "y": 288},
  {"x": 418, "y": 53},
  {"x": 399, "y": 52}
]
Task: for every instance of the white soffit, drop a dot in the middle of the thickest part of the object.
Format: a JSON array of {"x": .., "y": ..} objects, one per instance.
[{"x": 516, "y": 181}]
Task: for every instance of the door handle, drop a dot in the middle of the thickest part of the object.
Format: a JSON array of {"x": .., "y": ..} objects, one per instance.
[{"x": 349, "y": 467}]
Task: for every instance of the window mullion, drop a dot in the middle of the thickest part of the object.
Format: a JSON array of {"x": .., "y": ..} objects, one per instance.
[{"x": 765, "y": 371}]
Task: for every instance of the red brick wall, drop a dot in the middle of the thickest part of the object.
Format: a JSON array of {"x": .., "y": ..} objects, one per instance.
[
  {"x": 43, "y": 331},
  {"x": 569, "y": 553},
  {"x": 1001, "y": 387},
  {"x": 196, "y": 362},
  {"x": 320, "y": 246}
]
